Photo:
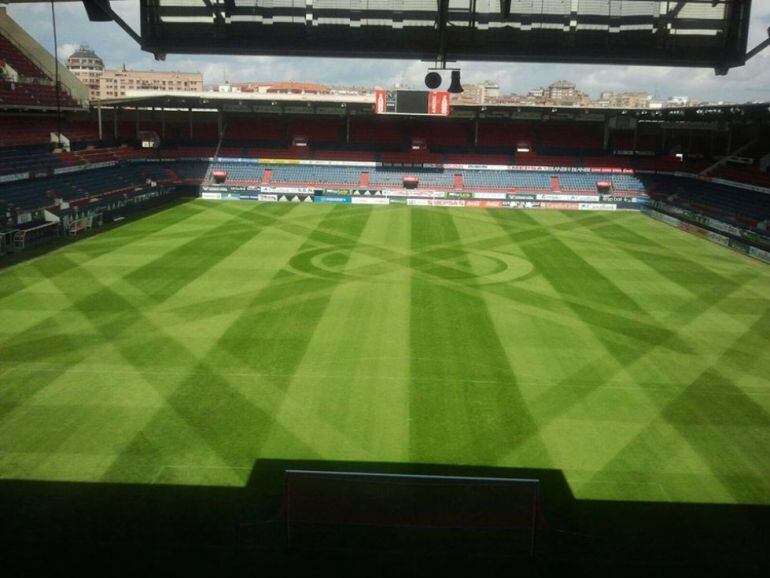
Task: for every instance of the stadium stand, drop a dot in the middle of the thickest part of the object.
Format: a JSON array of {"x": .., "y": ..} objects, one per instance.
[
  {"x": 32, "y": 88},
  {"x": 25, "y": 148},
  {"x": 13, "y": 56},
  {"x": 744, "y": 207},
  {"x": 40, "y": 193}
]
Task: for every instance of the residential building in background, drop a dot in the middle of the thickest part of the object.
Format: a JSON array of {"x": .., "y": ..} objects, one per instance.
[
  {"x": 624, "y": 99},
  {"x": 482, "y": 93},
  {"x": 116, "y": 83},
  {"x": 87, "y": 67},
  {"x": 565, "y": 93},
  {"x": 279, "y": 87},
  {"x": 103, "y": 83}
]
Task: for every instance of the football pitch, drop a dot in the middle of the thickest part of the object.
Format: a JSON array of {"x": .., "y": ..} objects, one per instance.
[{"x": 182, "y": 347}]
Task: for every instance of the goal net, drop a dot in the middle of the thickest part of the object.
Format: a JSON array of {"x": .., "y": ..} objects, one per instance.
[{"x": 401, "y": 511}]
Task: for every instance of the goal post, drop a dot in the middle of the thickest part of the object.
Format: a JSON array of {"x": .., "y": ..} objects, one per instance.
[{"x": 359, "y": 510}]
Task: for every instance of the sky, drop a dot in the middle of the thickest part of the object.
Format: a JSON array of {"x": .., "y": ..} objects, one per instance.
[{"x": 748, "y": 83}]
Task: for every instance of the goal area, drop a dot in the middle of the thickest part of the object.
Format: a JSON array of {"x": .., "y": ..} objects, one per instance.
[{"x": 376, "y": 511}]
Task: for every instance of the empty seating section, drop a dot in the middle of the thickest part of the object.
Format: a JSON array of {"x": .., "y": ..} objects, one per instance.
[
  {"x": 18, "y": 60},
  {"x": 304, "y": 175},
  {"x": 246, "y": 172},
  {"x": 312, "y": 174},
  {"x": 576, "y": 182},
  {"x": 377, "y": 133},
  {"x": 626, "y": 183},
  {"x": 502, "y": 134},
  {"x": 34, "y": 88},
  {"x": 29, "y": 159},
  {"x": 725, "y": 202},
  {"x": 36, "y": 193},
  {"x": 21, "y": 131},
  {"x": 37, "y": 130},
  {"x": 205, "y": 131},
  {"x": 745, "y": 174},
  {"x": 570, "y": 138},
  {"x": 395, "y": 177},
  {"x": 188, "y": 170},
  {"x": 623, "y": 140},
  {"x": 526, "y": 181},
  {"x": 189, "y": 152},
  {"x": 317, "y": 130},
  {"x": 256, "y": 130},
  {"x": 444, "y": 133}
]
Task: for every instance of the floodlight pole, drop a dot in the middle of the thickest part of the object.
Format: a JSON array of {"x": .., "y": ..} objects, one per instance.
[{"x": 99, "y": 116}]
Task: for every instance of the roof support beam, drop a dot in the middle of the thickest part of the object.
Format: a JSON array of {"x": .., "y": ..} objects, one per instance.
[
  {"x": 217, "y": 14},
  {"x": 106, "y": 13}
]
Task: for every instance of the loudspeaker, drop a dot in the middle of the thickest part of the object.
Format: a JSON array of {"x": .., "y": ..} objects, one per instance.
[
  {"x": 455, "y": 87},
  {"x": 433, "y": 80}
]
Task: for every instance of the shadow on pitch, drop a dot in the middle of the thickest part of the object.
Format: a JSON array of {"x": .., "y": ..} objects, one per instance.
[{"x": 61, "y": 528}]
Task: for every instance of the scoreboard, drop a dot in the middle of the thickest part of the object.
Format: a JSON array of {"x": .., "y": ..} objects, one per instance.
[{"x": 412, "y": 102}]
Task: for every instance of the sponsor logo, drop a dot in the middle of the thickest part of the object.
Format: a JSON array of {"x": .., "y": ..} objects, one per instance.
[
  {"x": 331, "y": 199},
  {"x": 573, "y": 198},
  {"x": 597, "y": 207},
  {"x": 522, "y": 204},
  {"x": 623, "y": 199},
  {"x": 484, "y": 204},
  {"x": 370, "y": 201},
  {"x": 720, "y": 239},
  {"x": 436, "y": 202},
  {"x": 415, "y": 193},
  {"x": 294, "y": 190},
  {"x": 490, "y": 196},
  {"x": 368, "y": 192},
  {"x": 760, "y": 254}
]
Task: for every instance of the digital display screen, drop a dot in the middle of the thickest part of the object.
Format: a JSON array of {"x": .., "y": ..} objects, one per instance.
[{"x": 412, "y": 101}]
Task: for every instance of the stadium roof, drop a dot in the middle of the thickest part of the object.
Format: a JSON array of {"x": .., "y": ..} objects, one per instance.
[
  {"x": 336, "y": 104},
  {"x": 674, "y": 32}
]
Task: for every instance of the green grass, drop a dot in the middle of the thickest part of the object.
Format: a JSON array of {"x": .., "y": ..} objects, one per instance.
[{"x": 180, "y": 348}]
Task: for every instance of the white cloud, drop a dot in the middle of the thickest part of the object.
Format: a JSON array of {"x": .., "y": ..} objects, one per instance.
[{"x": 65, "y": 50}]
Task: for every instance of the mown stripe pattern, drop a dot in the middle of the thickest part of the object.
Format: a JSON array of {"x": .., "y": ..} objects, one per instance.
[{"x": 183, "y": 347}]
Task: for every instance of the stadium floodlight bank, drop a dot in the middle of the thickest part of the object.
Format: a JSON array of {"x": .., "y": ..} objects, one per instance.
[
  {"x": 686, "y": 32},
  {"x": 360, "y": 511}
]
